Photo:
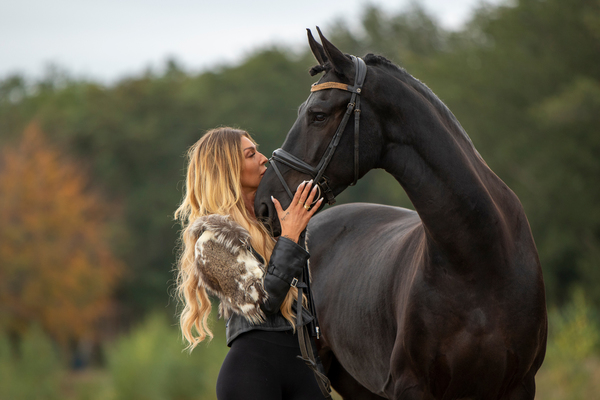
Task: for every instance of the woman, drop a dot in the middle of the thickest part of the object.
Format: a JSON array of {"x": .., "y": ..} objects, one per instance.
[{"x": 228, "y": 253}]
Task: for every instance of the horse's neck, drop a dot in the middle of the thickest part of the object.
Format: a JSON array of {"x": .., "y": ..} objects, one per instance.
[{"x": 459, "y": 199}]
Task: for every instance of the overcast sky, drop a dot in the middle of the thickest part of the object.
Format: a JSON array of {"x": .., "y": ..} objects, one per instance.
[{"x": 108, "y": 39}]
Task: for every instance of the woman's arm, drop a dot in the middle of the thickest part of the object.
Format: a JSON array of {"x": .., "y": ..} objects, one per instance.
[
  {"x": 288, "y": 258},
  {"x": 286, "y": 263}
]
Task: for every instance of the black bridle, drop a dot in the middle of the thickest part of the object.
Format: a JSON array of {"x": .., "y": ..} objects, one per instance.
[{"x": 317, "y": 172}]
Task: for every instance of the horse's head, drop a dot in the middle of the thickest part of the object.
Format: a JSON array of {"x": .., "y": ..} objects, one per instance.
[{"x": 326, "y": 143}]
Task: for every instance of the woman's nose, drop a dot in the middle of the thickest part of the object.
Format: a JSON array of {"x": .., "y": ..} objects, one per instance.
[{"x": 264, "y": 159}]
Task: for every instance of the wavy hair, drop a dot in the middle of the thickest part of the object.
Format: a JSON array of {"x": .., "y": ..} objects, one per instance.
[{"x": 213, "y": 186}]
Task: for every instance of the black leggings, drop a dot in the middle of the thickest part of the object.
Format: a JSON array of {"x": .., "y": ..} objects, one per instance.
[{"x": 262, "y": 365}]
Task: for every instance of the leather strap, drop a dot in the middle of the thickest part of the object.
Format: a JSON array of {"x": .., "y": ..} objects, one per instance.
[
  {"x": 356, "y": 130},
  {"x": 304, "y": 338},
  {"x": 328, "y": 85},
  {"x": 285, "y": 185},
  {"x": 306, "y": 349}
]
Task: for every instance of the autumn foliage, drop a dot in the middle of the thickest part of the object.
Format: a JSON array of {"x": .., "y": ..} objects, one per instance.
[{"x": 56, "y": 268}]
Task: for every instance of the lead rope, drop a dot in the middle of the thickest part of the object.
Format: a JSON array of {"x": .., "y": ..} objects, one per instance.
[{"x": 304, "y": 340}]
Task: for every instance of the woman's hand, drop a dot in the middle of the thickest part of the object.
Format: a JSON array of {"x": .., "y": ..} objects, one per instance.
[{"x": 294, "y": 220}]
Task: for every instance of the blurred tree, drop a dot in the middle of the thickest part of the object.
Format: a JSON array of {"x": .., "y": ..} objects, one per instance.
[
  {"x": 149, "y": 363},
  {"x": 56, "y": 268},
  {"x": 569, "y": 196},
  {"x": 134, "y": 136},
  {"x": 511, "y": 75},
  {"x": 410, "y": 39}
]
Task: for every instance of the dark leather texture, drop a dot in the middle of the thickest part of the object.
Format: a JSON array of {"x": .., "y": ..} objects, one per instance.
[{"x": 286, "y": 263}]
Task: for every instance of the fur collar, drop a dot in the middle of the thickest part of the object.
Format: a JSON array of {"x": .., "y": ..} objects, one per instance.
[{"x": 227, "y": 268}]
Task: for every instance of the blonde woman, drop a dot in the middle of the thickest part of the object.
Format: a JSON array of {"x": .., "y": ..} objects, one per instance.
[{"x": 229, "y": 254}]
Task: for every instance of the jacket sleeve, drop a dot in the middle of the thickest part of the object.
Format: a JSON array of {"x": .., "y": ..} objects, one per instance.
[{"x": 286, "y": 263}]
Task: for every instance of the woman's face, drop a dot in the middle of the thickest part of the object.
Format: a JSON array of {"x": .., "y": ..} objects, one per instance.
[{"x": 253, "y": 166}]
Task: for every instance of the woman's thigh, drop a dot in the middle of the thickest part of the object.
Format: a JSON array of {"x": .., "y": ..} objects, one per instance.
[
  {"x": 258, "y": 369},
  {"x": 247, "y": 373}
]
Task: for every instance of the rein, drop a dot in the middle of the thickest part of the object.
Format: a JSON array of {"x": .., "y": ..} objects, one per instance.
[{"x": 317, "y": 173}]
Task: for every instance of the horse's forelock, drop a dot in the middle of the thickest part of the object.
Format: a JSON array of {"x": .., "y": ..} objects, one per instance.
[{"x": 317, "y": 69}]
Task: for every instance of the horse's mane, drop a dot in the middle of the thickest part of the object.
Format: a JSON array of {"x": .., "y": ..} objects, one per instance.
[
  {"x": 380, "y": 61},
  {"x": 423, "y": 89},
  {"x": 369, "y": 59}
]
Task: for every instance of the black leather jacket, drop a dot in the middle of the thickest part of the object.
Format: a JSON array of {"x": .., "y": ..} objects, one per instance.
[{"x": 286, "y": 263}]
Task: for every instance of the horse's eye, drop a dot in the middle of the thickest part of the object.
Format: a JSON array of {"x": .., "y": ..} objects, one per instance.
[{"x": 319, "y": 117}]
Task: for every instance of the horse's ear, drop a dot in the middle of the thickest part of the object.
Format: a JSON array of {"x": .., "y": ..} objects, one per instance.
[
  {"x": 316, "y": 48},
  {"x": 342, "y": 64}
]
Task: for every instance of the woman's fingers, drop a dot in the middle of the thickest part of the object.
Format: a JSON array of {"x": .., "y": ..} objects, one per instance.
[
  {"x": 302, "y": 201},
  {"x": 311, "y": 195},
  {"x": 305, "y": 192},
  {"x": 315, "y": 207},
  {"x": 294, "y": 219},
  {"x": 277, "y": 205},
  {"x": 297, "y": 200}
]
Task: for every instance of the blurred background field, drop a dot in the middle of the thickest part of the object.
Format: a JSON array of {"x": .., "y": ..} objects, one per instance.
[
  {"x": 90, "y": 175},
  {"x": 147, "y": 363}
]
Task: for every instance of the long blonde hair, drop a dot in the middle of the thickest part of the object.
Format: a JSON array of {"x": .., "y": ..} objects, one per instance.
[{"x": 213, "y": 186}]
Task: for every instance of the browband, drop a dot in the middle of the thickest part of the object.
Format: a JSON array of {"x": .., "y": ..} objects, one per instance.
[
  {"x": 284, "y": 157},
  {"x": 315, "y": 87}
]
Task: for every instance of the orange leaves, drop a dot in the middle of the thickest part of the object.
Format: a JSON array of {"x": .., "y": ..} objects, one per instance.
[{"x": 56, "y": 267}]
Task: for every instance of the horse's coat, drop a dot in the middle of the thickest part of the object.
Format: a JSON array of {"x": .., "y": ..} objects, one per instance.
[{"x": 443, "y": 303}]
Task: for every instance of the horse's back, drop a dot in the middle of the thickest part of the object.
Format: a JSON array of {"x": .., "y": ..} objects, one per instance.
[{"x": 366, "y": 217}]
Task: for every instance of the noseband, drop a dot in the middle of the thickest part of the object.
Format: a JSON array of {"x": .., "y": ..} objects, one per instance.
[{"x": 282, "y": 156}]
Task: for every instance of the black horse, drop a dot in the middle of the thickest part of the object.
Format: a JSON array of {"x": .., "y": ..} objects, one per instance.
[{"x": 446, "y": 302}]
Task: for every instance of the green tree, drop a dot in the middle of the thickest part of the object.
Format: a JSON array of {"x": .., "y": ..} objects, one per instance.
[{"x": 511, "y": 75}]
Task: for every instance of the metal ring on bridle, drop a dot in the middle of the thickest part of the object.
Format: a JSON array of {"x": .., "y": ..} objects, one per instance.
[{"x": 282, "y": 156}]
